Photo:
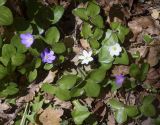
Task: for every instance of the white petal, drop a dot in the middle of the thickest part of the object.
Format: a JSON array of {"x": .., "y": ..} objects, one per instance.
[
  {"x": 116, "y": 53},
  {"x": 90, "y": 59},
  {"x": 81, "y": 57},
  {"x": 84, "y": 61},
  {"x": 85, "y": 53},
  {"x": 89, "y": 53}
]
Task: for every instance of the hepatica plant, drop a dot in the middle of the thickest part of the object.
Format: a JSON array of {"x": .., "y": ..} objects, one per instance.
[{"x": 38, "y": 47}]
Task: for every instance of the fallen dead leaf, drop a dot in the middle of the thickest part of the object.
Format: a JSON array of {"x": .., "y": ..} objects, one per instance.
[
  {"x": 111, "y": 120},
  {"x": 51, "y": 116},
  {"x": 155, "y": 13},
  {"x": 153, "y": 56},
  {"x": 120, "y": 70},
  {"x": 62, "y": 104},
  {"x": 50, "y": 77},
  {"x": 4, "y": 106},
  {"x": 85, "y": 44}
]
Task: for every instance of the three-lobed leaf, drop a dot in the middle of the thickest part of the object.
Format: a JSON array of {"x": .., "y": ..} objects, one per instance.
[{"x": 79, "y": 113}]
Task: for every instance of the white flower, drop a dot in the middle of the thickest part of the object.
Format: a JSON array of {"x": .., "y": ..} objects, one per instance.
[
  {"x": 115, "y": 50},
  {"x": 86, "y": 57}
]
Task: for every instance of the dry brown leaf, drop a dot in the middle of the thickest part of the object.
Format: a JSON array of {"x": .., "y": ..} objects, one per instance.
[
  {"x": 89, "y": 101},
  {"x": 153, "y": 56},
  {"x": 51, "y": 116},
  {"x": 143, "y": 50},
  {"x": 62, "y": 104},
  {"x": 50, "y": 77},
  {"x": 120, "y": 70},
  {"x": 111, "y": 120},
  {"x": 4, "y": 106},
  {"x": 155, "y": 13},
  {"x": 85, "y": 44},
  {"x": 138, "y": 24}
]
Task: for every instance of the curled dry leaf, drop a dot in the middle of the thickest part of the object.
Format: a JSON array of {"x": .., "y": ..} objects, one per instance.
[
  {"x": 153, "y": 56},
  {"x": 51, "y": 116},
  {"x": 62, "y": 104},
  {"x": 120, "y": 70}
]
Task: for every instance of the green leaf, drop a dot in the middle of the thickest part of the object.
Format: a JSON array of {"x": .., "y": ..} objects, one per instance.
[
  {"x": 79, "y": 113},
  {"x": 52, "y": 35},
  {"x": 147, "y": 38},
  {"x": 18, "y": 59},
  {"x": 92, "y": 89},
  {"x": 31, "y": 117},
  {"x": 36, "y": 106},
  {"x": 48, "y": 66},
  {"x": 132, "y": 111},
  {"x": 2, "y": 2},
  {"x": 63, "y": 94},
  {"x": 48, "y": 88},
  {"x": 93, "y": 9},
  {"x": 17, "y": 43},
  {"x": 122, "y": 59},
  {"x": 147, "y": 100},
  {"x": 98, "y": 33},
  {"x": 34, "y": 52},
  {"x": 11, "y": 89},
  {"x": 144, "y": 70},
  {"x": 115, "y": 104},
  {"x": 76, "y": 92},
  {"x": 8, "y": 50},
  {"x": 110, "y": 38},
  {"x": 148, "y": 110},
  {"x": 67, "y": 81},
  {"x": 58, "y": 13},
  {"x": 3, "y": 72},
  {"x": 98, "y": 21},
  {"x": 98, "y": 75},
  {"x": 115, "y": 25},
  {"x": 134, "y": 71},
  {"x": 38, "y": 63},
  {"x": 6, "y": 17},
  {"x": 32, "y": 75},
  {"x": 81, "y": 13},
  {"x": 122, "y": 32},
  {"x": 121, "y": 116},
  {"x": 106, "y": 66},
  {"x": 86, "y": 30},
  {"x": 59, "y": 48},
  {"x": 104, "y": 55},
  {"x": 94, "y": 43}
]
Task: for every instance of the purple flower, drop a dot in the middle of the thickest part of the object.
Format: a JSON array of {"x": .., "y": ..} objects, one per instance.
[
  {"x": 27, "y": 39},
  {"x": 48, "y": 56},
  {"x": 119, "y": 79}
]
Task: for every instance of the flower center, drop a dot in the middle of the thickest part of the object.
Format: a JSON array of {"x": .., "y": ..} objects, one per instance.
[
  {"x": 46, "y": 56},
  {"x": 30, "y": 39},
  {"x": 114, "y": 48}
]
